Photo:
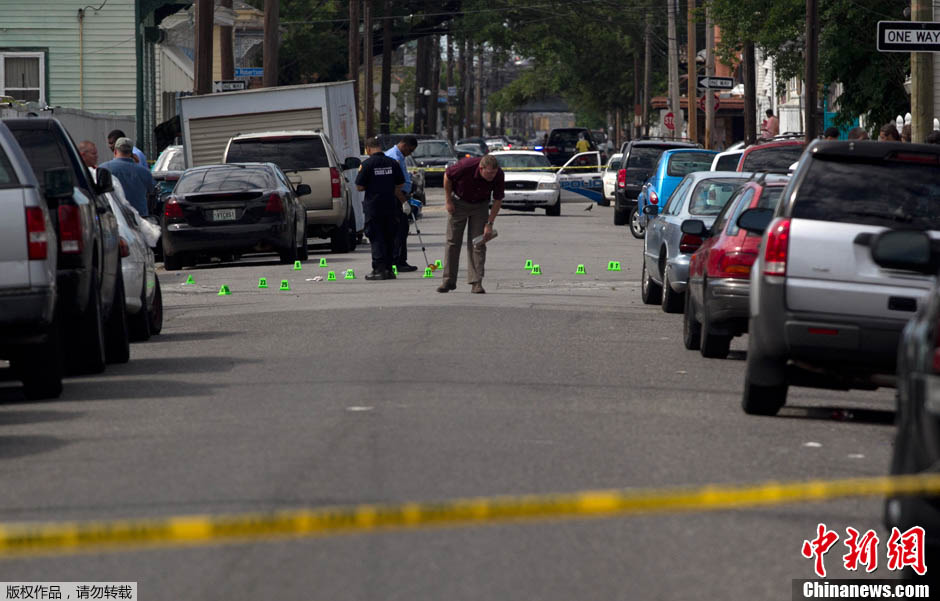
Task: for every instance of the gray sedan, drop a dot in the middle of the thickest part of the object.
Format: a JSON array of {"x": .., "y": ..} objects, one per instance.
[{"x": 666, "y": 250}]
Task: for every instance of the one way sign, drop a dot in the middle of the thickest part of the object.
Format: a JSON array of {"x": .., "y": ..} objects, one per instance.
[
  {"x": 715, "y": 83},
  {"x": 908, "y": 36}
]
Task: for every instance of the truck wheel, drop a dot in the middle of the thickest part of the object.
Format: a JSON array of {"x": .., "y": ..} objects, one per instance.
[
  {"x": 763, "y": 399},
  {"x": 117, "y": 342},
  {"x": 40, "y": 367},
  {"x": 156, "y": 310},
  {"x": 620, "y": 218},
  {"x": 139, "y": 324},
  {"x": 86, "y": 336}
]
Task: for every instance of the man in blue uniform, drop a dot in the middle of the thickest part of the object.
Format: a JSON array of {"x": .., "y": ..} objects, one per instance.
[
  {"x": 398, "y": 152},
  {"x": 382, "y": 180}
]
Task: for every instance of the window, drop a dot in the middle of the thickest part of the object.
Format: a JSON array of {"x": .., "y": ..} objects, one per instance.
[
  {"x": 684, "y": 163},
  {"x": 290, "y": 153},
  {"x": 711, "y": 195},
  {"x": 224, "y": 179},
  {"x": 23, "y": 76}
]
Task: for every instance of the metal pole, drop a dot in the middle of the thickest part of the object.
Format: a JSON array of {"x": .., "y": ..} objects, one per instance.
[
  {"x": 204, "y": 18},
  {"x": 922, "y": 93},
  {"x": 646, "y": 72},
  {"x": 691, "y": 94},
  {"x": 674, "y": 103},
  {"x": 368, "y": 97},
  {"x": 353, "y": 71},
  {"x": 385, "y": 115},
  {"x": 271, "y": 42},
  {"x": 750, "y": 94},
  {"x": 812, "y": 52},
  {"x": 709, "y": 72}
]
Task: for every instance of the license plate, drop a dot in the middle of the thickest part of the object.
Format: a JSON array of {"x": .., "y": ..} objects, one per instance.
[{"x": 223, "y": 215}]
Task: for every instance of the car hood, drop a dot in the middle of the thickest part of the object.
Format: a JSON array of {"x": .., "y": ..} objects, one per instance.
[{"x": 528, "y": 176}]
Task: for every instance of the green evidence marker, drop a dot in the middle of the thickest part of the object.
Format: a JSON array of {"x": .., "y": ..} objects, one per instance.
[
  {"x": 323, "y": 262},
  {"x": 331, "y": 277},
  {"x": 528, "y": 264},
  {"x": 536, "y": 270},
  {"x": 285, "y": 285},
  {"x": 297, "y": 266},
  {"x": 350, "y": 274},
  {"x": 262, "y": 283},
  {"x": 580, "y": 270},
  {"x": 428, "y": 273},
  {"x": 224, "y": 291},
  {"x": 190, "y": 280}
]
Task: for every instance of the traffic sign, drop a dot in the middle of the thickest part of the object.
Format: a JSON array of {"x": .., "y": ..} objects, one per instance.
[
  {"x": 229, "y": 85},
  {"x": 249, "y": 72},
  {"x": 701, "y": 102},
  {"x": 669, "y": 121},
  {"x": 451, "y": 90},
  {"x": 908, "y": 36},
  {"x": 715, "y": 83}
]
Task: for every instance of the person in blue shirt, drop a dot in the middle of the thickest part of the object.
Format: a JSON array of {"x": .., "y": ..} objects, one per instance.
[
  {"x": 135, "y": 179},
  {"x": 115, "y": 134},
  {"x": 398, "y": 152}
]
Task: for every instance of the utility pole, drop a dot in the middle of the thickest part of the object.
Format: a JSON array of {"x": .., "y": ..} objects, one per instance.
[
  {"x": 674, "y": 103},
  {"x": 368, "y": 104},
  {"x": 478, "y": 102},
  {"x": 461, "y": 91},
  {"x": 646, "y": 72},
  {"x": 385, "y": 116},
  {"x": 750, "y": 95},
  {"x": 227, "y": 55},
  {"x": 922, "y": 93},
  {"x": 468, "y": 86},
  {"x": 812, "y": 52},
  {"x": 448, "y": 118},
  {"x": 709, "y": 72},
  {"x": 434, "y": 82},
  {"x": 637, "y": 95},
  {"x": 691, "y": 93},
  {"x": 271, "y": 42},
  {"x": 353, "y": 73},
  {"x": 205, "y": 10}
]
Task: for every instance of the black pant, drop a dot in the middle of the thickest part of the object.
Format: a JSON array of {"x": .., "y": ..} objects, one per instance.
[
  {"x": 401, "y": 240},
  {"x": 382, "y": 231}
]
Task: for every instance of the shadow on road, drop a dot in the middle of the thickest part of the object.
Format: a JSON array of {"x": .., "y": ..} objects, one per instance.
[
  {"x": 839, "y": 414},
  {"x": 37, "y": 416},
  {"x": 188, "y": 336},
  {"x": 12, "y": 447},
  {"x": 176, "y": 365}
]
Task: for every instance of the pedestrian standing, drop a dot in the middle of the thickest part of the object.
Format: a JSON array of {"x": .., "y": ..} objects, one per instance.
[
  {"x": 858, "y": 133},
  {"x": 398, "y": 152},
  {"x": 772, "y": 127},
  {"x": 468, "y": 186},
  {"x": 381, "y": 178},
  {"x": 583, "y": 145},
  {"x": 89, "y": 153},
  {"x": 136, "y": 179},
  {"x": 117, "y": 133},
  {"x": 889, "y": 133}
]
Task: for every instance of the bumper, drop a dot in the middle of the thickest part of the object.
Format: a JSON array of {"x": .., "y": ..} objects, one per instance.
[
  {"x": 727, "y": 302},
  {"x": 25, "y": 317},
  {"x": 530, "y": 198},
  {"x": 678, "y": 269},
  {"x": 329, "y": 217},
  {"x": 182, "y": 238}
]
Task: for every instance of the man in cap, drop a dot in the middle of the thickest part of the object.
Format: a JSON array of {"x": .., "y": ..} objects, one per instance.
[{"x": 135, "y": 179}]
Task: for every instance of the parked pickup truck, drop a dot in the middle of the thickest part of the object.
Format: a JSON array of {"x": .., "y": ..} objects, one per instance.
[{"x": 90, "y": 284}]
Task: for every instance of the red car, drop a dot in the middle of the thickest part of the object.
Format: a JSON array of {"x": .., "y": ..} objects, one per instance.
[
  {"x": 716, "y": 303},
  {"x": 773, "y": 157}
]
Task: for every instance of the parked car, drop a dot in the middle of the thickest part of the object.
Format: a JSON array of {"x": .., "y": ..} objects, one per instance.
[
  {"x": 434, "y": 156},
  {"x": 673, "y": 165},
  {"x": 388, "y": 140},
  {"x": 29, "y": 331},
  {"x": 228, "y": 210},
  {"x": 530, "y": 181},
  {"x": 727, "y": 160},
  {"x": 417, "y": 179},
  {"x": 581, "y": 178},
  {"x": 477, "y": 141},
  {"x": 498, "y": 143},
  {"x": 822, "y": 313},
  {"x": 610, "y": 178},
  {"x": 666, "y": 249},
  {"x": 308, "y": 157},
  {"x": 562, "y": 143},
  {"x": 774, "y": 157},
  {"x": 716, "y": 300},
  {"x": 468, "y": 150},
  {"x": 637, "y": 164},
  {"x": 89, "y": 280}
]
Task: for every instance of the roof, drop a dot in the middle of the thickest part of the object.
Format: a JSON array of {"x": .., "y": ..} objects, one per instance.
[
  {"x": 499, "y": 152},
  {"x": 273, "y": 134},
  {"x": 700, "y": 175}
]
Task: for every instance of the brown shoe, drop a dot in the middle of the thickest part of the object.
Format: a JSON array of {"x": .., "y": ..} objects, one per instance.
[
  {"x": 445, "y": 287},
  {"x": 477, "y": 289}
]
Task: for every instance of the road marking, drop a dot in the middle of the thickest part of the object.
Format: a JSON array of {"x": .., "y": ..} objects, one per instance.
[
  {"x": 359, "y": 408},
  {"x": 812, "y": 445}
]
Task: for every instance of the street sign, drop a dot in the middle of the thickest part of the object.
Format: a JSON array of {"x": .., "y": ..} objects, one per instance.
[
  {"x": 249, "y": 72},
  {"x": 669, "y": 121},
  {"x": 229, "y": 85},
  {"x": 701, "y": 102},
  {"x": 908, "y": 36},
  {"x": 715, "y": 83},
  {"x": 451, "y": 90}
]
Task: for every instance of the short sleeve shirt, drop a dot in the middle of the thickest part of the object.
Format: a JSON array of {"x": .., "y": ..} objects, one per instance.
[
  {"x": 379, "y": 175},
  {"x": 470, "y": 185},
  {"x": 396, "y": 154}
]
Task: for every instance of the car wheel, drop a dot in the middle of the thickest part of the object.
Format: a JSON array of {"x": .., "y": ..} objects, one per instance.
[
  {"x": 156, "y": 310},
  {"x": 139, "y": 324},
  {"x": 342, "y": 238},
  {"x": 763, "y": 400},
  {"x": 650, "y": 291},
  {"x": 636, "y": 228},
  {"x": 304, "y": 252},
  {"x": 288, "y": 255},
  {"x": 605, "y": 202},
  {"x": 620, "y": 218},
  {"x": 85, "y": 335},
  {"x": 691, "y": 328},
  {"x": 173, "y": 262},
  {"x": 554, "y": 210},
  {"x": 714, "y": 346},
  {"x": 117, "y": 341},
  {"x": 672, "y": 301},
  {"x": 40, "y": 367}
]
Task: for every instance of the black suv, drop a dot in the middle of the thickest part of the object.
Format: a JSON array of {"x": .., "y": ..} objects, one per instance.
[
  {"x": 89, "y": 279},
  {"x": 636, "y": 166},
  {"x": 561, "y": 144}
]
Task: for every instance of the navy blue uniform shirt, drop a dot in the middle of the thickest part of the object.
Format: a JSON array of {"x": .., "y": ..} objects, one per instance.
[{"x": 379, "y": 175}]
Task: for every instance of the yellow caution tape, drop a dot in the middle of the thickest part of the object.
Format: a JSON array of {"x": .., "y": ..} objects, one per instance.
[{"x": 17, "y": 540}]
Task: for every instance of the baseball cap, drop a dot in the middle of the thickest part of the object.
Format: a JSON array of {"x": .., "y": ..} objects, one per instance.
[{"x": 124, "y": 144}]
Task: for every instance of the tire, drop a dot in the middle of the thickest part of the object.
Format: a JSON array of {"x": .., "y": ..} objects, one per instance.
[
  {"x": 691, "y": 328},
  {"x": 763, "y": 400},
  {"x": 650, "y": 291},
  {"x": 620, "y": 218},
  {"x": 303, "y": 252},
  {"x": 40, "y": 367},
  {"x": 605, "y": 202},
  {"x": 173, "y": 262},
  {"x": 554, "y": 210},
  {"x": 636, "y": 228},
  {"x": 139, "y": 324},
  {"x": 343, "y": 238},
  {"x": 86, "y": 335},
  {"x": 672, "y": 301},
  {"x": 156, "y": 310},
  {"x": 117, "y": 342},
  {"x": 714, "y": 346},
  {"x": 288, "y": 255}
]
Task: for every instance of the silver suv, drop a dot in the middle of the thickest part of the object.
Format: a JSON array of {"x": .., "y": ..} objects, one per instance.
[
  {"x": 822, "y": 313},
  {"x": 307, "y": 157}
]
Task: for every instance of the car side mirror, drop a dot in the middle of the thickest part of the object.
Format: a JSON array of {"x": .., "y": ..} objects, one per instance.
[
  {"x": 303, "y": 190},
  {"x": 351, "y": 163},
  {"x": 694, "y": 227},
  {"x": 755, "y": 220},
  {"x": 104, "y": 183},
  {"x": 904, "y": 249},
  {"x": 650, "y": 210},
  {"x": 57, "y": 183}
]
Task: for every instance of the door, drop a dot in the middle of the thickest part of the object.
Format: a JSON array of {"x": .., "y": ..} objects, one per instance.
[{"x": 581, "y": 178}]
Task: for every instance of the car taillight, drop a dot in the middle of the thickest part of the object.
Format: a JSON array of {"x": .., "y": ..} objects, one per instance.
[
  {"x": 37, "y": 242},
  {"x": 621, "y": 178},
  {"x": 274, "y": 204},
  {"x": 654, "y": 197},
  {"x": 172, "y": 209},
  {"x": 689, "y": 243},
  {"x": 125, "y": 249},
  {"x": 334, "y": 182},
  {"x": 551, "y": 149},
  {"x": 736, "y": 265},
  {"x": 775, "y": 251},
  {"x": 70, "y": 229}
]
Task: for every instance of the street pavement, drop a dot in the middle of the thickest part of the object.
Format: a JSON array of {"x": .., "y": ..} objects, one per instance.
[{"x": 352, "y": 392}]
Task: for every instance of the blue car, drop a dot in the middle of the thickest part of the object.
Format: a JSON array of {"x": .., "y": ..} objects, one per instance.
[{"x": 672, "y": 167}]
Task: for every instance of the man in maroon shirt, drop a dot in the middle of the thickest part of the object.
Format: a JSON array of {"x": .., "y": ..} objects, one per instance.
[{"x": 467, "y": 189}]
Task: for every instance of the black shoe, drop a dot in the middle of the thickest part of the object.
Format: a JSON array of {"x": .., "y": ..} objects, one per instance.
[
  {"x": 378, "y": 275},
  {"x": 445, "y": 287},
  {"x": 406, "y": 267},
  {"x": 390, "y": 275}
]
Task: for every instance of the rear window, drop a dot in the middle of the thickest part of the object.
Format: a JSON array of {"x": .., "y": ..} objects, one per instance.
[
  {"x": 645, "y": 157},
  {"x": 432, "y": 149},
  {"x": 776, "y": 158},
  {"x": 8, "y": 178},
  {"x": 711, "y": 195},
  {"x": 43, "y": 151},
  {"x": 728, "y": 162},
  {"x": 886, "y": 194},
  {"x": 567, "y": 138},
  {"x": 170, "y": 160},
  {"x": 768, "y": 200},
  {"x": 614, "y": 165},
  {"x": 684, "y": 163},
  {"x": 297, "y": 153},
  {"x": 225, "y": 179}
]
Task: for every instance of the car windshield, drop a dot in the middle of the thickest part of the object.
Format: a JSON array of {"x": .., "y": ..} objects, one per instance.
[
  {"x": 729, "y": 162},
  {"x": 290, "y": 153},
  {"x": 432, "y": 149},
  {"x": 523, "y": 162},
  {"x": 170, "y": 159},
  {"x": 224, "y": 179},
  {"x": 644, "y": 157},
  {"x": 775, "y": 158},
  {"x": 895, "y": 194},
  {"x": 711, "y": 195},
  {"x": 684, "y": 163},
  {"x": 43, "y": 152}
]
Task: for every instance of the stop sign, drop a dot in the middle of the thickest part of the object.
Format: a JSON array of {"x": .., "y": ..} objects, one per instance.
[{"x": 669, "y": 121}]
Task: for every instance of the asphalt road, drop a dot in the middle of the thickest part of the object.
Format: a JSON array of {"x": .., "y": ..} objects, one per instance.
[{"x": 352, "y": 391}]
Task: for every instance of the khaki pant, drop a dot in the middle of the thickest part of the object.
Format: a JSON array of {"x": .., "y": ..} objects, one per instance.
[{"x": 476, "y": 214}]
